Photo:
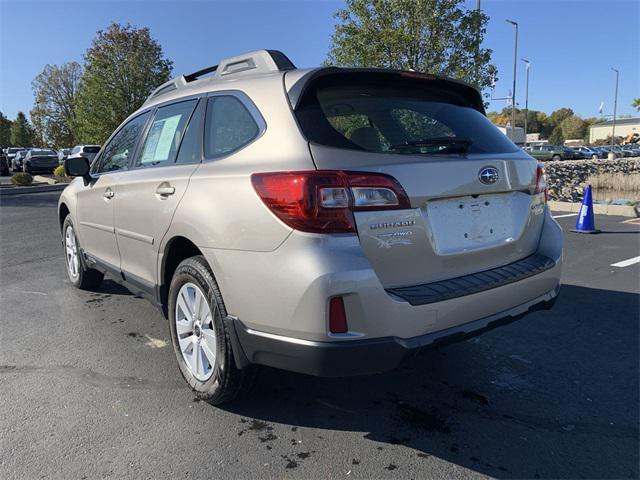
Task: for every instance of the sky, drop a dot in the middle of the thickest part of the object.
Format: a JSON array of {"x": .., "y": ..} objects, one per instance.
[{"x": 572, "y": 44}]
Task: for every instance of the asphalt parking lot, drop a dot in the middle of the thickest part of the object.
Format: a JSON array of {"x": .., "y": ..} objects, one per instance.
[{"x": 89, "y": 387}]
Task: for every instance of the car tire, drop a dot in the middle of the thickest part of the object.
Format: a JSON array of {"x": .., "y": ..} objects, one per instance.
[
  {"x": 594, "y": 157},
  {"x": 199, "y": 335},
  {"x": 78, "y": 273},
  {"x": 556, "y": 158}
]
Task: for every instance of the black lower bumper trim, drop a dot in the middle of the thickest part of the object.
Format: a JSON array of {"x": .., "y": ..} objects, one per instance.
[
  {"x": 475, "y": 282},
  {"x": 358, "y": 357}
]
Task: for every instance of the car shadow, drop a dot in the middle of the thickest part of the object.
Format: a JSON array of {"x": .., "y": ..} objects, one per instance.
[
  {"x": 553, "y": 395},
  {"x": 110, "y": 287}
]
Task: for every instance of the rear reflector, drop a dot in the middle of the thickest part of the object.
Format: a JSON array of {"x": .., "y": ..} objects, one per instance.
[
  {"x": 337, "y": 316},
  {"x": 323, "y": 201}
]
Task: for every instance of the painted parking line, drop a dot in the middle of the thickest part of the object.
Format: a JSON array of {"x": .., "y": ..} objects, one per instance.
[
  {"x": 566, "y": 215},
  {"x": 626, "y": 263}
]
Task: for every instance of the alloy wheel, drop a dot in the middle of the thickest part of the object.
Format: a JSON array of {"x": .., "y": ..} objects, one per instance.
[
  {"x": 196, "y": 331},
  {"x": 71, "y": 250}
]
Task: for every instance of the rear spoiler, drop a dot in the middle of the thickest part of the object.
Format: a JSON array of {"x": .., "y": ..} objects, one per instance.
[{"x": 300, "y": 86}]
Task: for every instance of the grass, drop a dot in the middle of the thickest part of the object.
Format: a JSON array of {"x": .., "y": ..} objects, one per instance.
[{"x": 616, "y": 182}]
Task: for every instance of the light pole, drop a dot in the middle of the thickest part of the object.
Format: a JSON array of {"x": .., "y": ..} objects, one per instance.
[
  {"x": 513, "y": 92},
  {"x": 615, "y": 108},
  {"x": 526, "y": 99}
]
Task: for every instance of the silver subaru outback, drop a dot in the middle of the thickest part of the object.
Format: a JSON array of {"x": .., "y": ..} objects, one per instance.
[{"x": 327, "y": 221}]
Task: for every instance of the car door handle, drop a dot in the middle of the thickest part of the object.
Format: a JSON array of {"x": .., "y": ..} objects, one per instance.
[
  {"x": 108, "y": 194},
  {"x": 165, "y": 190}
]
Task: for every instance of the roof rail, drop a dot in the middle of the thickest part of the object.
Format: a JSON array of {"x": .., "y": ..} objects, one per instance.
[
  {"x": 167, "y": 87},
  {"x": 259, "y": 61}
]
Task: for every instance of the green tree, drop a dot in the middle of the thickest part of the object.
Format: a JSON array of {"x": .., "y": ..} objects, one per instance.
[
  {"x": 435, "y": 36},
  {"x": 55, "y": 90},
  {"x": 123, "y": 66},
  {"x": 21, "y": 131},
  {"x": 5, "y": 131},
  {"x": 636, "y": 104},
  {"x": 573, "y": 127},
  {"x": 556, "y": 137}
]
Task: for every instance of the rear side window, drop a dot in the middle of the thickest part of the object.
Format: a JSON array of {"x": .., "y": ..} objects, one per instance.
[
  {"x": 118, "y": 152},
  {"x": 396, "y": 115},
  {"x": 191, "y": 146},
  {"x": 229, "y": 126},
  {"x": 165, "y": 134},
  {"x": 91, "y": 149}
]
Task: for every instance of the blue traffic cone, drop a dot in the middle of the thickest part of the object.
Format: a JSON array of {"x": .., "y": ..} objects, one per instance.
[{"x": 586, "y": 222}]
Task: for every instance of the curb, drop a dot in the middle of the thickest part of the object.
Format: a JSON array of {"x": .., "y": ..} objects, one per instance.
[
  {"x": 37, "y": 189},
  {"x": 598, "y": 209}
]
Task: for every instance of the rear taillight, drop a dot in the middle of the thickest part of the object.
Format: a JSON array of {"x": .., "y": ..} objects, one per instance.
[
  {"x": 323, "y": 201},
  {"x": 541, "y": 183}
]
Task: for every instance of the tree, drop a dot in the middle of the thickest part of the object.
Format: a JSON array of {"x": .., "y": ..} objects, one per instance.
[
  {"x": 5, "y": 131},
  {"x": 123, "y": 66},
  {"x": 556, "y": 137},
  {"x": 55, "y": 90},
  {"x": 435, "y": 36},
  {"x": 636, "y": 104},
  {"x": 21, "y": 131},
  {"x": 573, "y": 127}
]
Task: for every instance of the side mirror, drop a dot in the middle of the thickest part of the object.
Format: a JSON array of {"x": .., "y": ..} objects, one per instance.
[{"x": 77, "y": 167}]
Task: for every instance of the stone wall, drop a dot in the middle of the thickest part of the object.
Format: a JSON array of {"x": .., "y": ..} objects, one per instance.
[{"x": 567, "y": 178}]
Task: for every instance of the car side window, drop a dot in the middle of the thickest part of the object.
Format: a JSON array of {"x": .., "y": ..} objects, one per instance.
[
  {"x": 191, "y": 146},
  {"x": 75, "y": 150},
  {"x": 118, "y": 151},
  {"x": 229, "y": 125},
  {"x": 165, "y": 134}
]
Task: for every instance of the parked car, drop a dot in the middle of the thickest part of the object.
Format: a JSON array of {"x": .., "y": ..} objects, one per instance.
[
  {"x": 333, "y": 242},
  {"x": 4, "y": 163},
  {"x": 549, "y": 152},
  {"x": 634, "y": 150},
  {"x": 11, "y": 153},
  {"x": 609, "y": 149},
  {"x": 40, "y": 160},
  {"x": 18, "y": 159},
  {"x": 600, "y": 151},
  {"x": 63, "y": 153},
  {"x": 576, "y": 154},
  {"x": 589, "y": 152},
  {"x": 87, "y": 151}
]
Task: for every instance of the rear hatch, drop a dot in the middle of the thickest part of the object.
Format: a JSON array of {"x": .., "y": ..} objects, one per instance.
[{"x": 472, "y": 192}]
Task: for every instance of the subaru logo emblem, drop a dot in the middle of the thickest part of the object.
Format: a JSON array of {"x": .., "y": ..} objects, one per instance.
[{"x": 488, "y": 175}]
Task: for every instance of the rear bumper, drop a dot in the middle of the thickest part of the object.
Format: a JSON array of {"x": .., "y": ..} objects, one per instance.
[{"x": 366, "y": 356}]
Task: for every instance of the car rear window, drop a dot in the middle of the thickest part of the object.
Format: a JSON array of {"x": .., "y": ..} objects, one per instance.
[
  {"x": 396, "y": 116},
  {"x": 91, "y": 149}
]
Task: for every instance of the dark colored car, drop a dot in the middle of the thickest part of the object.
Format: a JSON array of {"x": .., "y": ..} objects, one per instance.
[
  {"x": 589, "y": 152},
  {"x": 4, "y": 163},
  {"x": 40, "y": 160}
]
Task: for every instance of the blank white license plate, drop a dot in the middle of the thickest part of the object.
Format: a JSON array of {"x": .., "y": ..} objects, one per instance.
[{"x": 466, "y": 223}]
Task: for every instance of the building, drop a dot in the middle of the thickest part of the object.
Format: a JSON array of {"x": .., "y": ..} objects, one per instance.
[
  {"x": 624, "y": 127},
  {"x": 518, "y": 133},
  {"x": 534, "y": 139}
]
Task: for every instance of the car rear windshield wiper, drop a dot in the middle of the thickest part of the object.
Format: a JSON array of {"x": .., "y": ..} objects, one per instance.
[{"x": 450, "y": 143}]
